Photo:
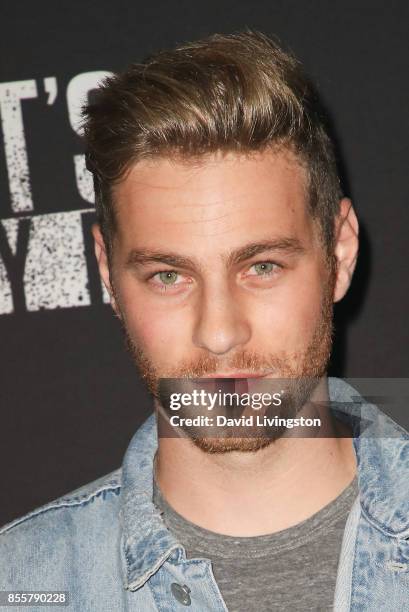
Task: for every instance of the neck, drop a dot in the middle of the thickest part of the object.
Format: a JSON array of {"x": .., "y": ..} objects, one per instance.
[{"x": 254, "y": 493}]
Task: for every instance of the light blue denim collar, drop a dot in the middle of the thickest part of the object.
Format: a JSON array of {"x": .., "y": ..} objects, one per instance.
[
  {"x": 147, "y": 543},
  {"x": 382, "y": 451}
]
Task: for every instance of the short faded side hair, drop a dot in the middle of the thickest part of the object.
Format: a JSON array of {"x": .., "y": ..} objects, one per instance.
[{"x": 238, "y": 92}]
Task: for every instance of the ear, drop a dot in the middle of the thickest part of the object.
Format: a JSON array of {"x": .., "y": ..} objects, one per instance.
[
  {"x": 102, "y": 259},
  {"x": 346, "y": 247}
]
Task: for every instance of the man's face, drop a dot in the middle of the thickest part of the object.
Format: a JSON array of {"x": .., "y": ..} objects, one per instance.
[{"x": 218, "y": 268}]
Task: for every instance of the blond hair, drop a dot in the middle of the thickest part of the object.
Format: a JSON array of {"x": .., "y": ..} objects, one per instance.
[{"x": 238, "y": 92}]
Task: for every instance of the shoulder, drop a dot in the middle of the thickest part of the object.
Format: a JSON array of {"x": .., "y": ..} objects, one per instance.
[
  {"x": 45, "y": 545},
  {"x": 68, "y": 513}
]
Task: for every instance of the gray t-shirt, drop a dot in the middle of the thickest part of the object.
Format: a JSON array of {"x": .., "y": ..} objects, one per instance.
[{"x": 291, "y": 570}]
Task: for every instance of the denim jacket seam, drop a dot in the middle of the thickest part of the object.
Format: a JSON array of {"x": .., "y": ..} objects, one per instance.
[
  {"x": 137, "y": 583},
  {"x": 355, "y": 554},
  {"x": 65, "y": 503},
  {"x": 400, "y": 535}
]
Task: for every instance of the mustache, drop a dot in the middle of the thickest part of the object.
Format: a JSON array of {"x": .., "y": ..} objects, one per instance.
[
  {"x": 206, "y": 365},
  {"x": 242, "y": 361}
]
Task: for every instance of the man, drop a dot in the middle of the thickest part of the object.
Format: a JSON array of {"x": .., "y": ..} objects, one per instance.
[{"x": 224, "y": 239}]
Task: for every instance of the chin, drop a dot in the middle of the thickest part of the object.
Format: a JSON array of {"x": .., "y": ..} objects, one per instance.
[{"x": 229, "y": 445}]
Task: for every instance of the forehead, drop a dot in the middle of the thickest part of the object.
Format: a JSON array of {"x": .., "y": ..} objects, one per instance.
[{"x": 213, "y": 201}]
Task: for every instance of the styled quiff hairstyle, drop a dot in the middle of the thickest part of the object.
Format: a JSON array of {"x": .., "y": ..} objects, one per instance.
[{"x": 239, "y": 92}]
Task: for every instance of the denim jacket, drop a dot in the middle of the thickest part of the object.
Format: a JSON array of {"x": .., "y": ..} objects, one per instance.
[{"x": 107, "y": 546}]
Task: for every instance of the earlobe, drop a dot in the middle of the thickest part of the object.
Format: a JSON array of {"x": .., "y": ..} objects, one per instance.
[
  {"x": 103, "y": 266},
  {"x": 346, "y": 247}
]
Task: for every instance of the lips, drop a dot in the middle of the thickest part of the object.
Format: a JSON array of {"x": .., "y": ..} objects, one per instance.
[
  {"x": 237, "y": 375},
  {"x": 232, "y": 382}
]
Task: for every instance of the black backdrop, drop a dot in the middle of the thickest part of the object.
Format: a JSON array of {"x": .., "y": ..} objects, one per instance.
[{"x": 70, "y": 398}]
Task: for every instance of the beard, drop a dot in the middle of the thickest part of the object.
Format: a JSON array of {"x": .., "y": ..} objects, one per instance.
[{"x": 297, "y": 374}]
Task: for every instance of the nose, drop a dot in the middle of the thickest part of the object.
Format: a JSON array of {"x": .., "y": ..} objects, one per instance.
[{"x": 220, "y": 324}]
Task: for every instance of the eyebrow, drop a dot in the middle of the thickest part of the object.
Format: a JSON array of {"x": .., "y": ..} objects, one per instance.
[{"x": 287, "y": 246}]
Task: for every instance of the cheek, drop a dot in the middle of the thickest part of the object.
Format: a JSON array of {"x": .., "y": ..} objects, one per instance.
[
  {"x": 160, "y": 331},
  {"x": 287, "y": 319}
]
